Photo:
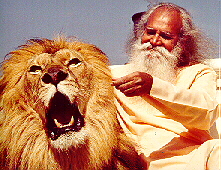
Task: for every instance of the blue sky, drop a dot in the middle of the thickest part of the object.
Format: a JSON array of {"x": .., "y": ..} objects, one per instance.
[{"x": 105, "y": 23}]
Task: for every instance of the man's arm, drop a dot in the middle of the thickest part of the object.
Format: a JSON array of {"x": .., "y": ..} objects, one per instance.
[{"x": 193, "y": 107}]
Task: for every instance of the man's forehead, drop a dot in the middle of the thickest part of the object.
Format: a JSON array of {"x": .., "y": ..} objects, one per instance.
[{"x": 168, "y": 19}]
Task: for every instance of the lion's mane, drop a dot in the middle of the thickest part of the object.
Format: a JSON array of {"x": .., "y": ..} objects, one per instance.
[{"x": 34, "y": 77}]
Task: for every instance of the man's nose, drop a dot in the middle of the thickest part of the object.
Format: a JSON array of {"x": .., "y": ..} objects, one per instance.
[{"x": 156, "y": 40}]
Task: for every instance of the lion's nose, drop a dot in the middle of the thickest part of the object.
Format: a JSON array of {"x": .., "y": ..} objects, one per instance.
[{"x": 54, "y": 76}]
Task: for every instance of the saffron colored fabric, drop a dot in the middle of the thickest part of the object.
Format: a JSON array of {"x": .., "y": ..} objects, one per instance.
[{"x": 170, "y": 125}]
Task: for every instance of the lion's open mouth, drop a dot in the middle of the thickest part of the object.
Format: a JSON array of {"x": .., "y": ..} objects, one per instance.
[{"x": 63, "y": 116}]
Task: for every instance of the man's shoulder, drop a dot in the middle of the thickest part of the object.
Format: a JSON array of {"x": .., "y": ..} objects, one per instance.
[
  {"x": 196, "y": 70},
  {"x": 200, "y": 66}
]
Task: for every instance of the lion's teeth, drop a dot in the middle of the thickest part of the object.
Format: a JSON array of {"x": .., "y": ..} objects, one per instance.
[
  {"x": 72, "y": 121},
  {"x": 60, "y": 125}
]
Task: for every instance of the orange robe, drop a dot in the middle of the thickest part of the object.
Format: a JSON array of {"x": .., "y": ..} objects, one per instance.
[{"x": 171, "y": 124}]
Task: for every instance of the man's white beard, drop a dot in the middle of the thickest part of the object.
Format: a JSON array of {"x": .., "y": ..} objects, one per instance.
[{"x": 157, "y": 61}]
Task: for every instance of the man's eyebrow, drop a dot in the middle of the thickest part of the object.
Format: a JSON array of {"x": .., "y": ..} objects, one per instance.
[{"x": 164, "y": 32}]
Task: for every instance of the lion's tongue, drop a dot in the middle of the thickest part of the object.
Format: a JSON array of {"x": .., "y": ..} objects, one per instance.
[{"x": 63, "y": 116}]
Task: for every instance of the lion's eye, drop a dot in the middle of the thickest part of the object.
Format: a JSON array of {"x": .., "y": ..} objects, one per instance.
[
  {"x": 35, "y": 69},
  {"x": 74, "y": 62}
]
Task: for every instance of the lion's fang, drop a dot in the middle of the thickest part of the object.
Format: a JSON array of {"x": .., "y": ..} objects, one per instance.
[{"x": 60, "y": 125}]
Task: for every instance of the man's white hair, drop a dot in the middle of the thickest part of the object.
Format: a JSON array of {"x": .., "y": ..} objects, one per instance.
[
  {"x": 196, "y": 47},
  {"x": 157, "y": 61}
]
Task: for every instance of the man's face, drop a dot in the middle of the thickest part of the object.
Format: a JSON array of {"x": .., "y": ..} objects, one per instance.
[{"x": 163, "y": 28}]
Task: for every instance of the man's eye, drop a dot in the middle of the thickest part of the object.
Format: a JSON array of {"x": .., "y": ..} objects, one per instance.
[
  {"x": 151, "y": 32},
  {"x": 35, "y": 69},
  {"x": 166, "y": 36}
]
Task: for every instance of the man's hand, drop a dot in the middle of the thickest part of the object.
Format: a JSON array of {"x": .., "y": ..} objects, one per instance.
[{"x": 134, "y": 84}]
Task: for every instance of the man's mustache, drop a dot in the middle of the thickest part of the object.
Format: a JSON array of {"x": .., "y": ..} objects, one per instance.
[
  {"x": 149, "y": 49},
  {"x": 144, "y": 46}
]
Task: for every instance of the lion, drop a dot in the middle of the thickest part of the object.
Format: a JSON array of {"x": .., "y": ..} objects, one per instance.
[{"x": 58, "y": 112}]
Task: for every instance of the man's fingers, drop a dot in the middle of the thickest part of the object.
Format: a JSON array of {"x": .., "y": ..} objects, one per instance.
[
  {"x": 125, "y": 79},
  {"x": 125, "y": 86},
  {"x": 122, "y": 80},
  {"x": 133, "y": 91},
  {"x": 134, "y": 84}
]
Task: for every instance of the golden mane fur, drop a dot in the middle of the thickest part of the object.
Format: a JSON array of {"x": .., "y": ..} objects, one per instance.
[{"x": 26, "y": 94}]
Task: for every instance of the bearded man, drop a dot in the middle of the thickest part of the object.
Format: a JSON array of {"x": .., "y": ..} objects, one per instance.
[{"x": 165, "y": 95}]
